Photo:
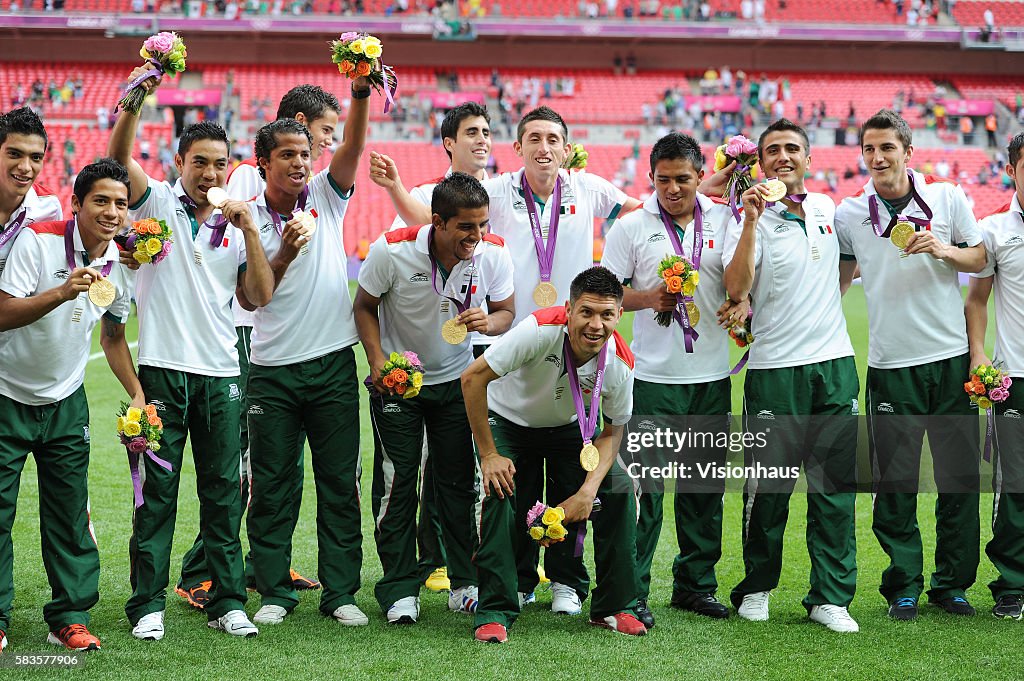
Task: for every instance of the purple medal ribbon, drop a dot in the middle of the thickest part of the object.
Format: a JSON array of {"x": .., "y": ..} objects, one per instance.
[
  {"x": 545, "y": 253},
  {"x": 390, "y": 87},
  {"x": 795, "y": 198},
  {"x": 69, "y": 250},
  {"x": 461, "y": 306},
  {"x": 133, "y": 464},
  {"x": 732, "y": 192},
  {"x": 278, "y": 224},
  {"x": 746, "y": 355},
  {"x": 682, "y": 318},
  {"x": 884, "y": 231},
  {"x": 989, "y": 434},
  {"x": 587, "y": 422},
  {"x": 157, "y": 70},
  {"x": 217, "y": 228},
  {"x": 15, "y": 227}
]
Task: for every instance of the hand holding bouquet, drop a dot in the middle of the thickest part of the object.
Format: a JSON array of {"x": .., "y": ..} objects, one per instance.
[
  {"x": 577, "y": 158},
  {"x": 744, "y": 153},
  {"x": 358, "y": 55},
  {"x": 148, "y": 241},
  {"x": 988, "y": 386},
  {"x": 680, "y": 278},
  {"x": 403, "y": 373},
  {"x": 544, "y": 523},
  {"x": 140, "y": 431},
  {"x": 165, "y": 52}
]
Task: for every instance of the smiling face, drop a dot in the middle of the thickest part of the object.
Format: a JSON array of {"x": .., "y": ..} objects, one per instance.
[
  {"x": 675, "y": 180},
  {"x": 885, "y": 157},
  {"x": 204, "y": 166},
  {"x": 290, "y": 163},
  {"x": 456, "y": 239},
  {"x": 471, "y": 147},
  {"x": 322, "y": 129},
  {"x": 103, "y": 211},
  {"x": 543, "y": 148},
  {"x": 592, "y": 319},
  {"x": 21, "y": 161},
  {"x": 1016, "y": 173},
  {"x": 783, "y": 154}
]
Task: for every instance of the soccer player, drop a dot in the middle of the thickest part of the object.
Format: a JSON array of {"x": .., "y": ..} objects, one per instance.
[
  {"x": 318, "y": 110},
  {"x": 910, "y": 235},
  {"x": 47, "y": 319},
  {"x": 546, "y": 216},
  {"x": 189, "y": 367},
  {"x": 1003, "y": 234},
  {"x": 678, "y": 374},
  {"x": 23, "y": 144},
  {"x": 303, "y": 372},
  {"x": 558, "y": 368},
  {"x": 801, "y": 384},
  {"x": 414, "y": 281}
]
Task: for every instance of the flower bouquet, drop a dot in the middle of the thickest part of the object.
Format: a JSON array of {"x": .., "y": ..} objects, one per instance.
[
  {"x": 403, "y": 373},
  {"x": 744, "y": 152},
  {"x": 359, "y": 54},
  {"x": 140, "y": 431},
  {"x": 740, "y": 332},
  {"x": 577, "y": 158},
  {"x": 149, "y": 240},
  {"x": 544, "y": 523},
  {"x": 680, "y": 278},
  {"x": 988, "y": 386},
  {"x": 165, "y": 52}
]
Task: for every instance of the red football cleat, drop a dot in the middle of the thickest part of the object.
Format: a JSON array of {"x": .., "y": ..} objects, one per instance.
[
  {"x": 623, "y": 622},
  {"x": 74, "y": 637},
  {"x": 491, "y": 633}
]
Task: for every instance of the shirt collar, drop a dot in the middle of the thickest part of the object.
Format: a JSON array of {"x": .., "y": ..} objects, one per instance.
[
  {"x": 651, "y": 205},
  {"x": 110, "y": 254},
  {"x": 919, "y": 182},
  {"x": 30, "y": 198}
]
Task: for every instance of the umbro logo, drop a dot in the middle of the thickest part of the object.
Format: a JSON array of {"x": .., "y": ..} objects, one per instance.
[
  {"x": 885, "y": 407},
  {"x": 1011, "y": 414},
  {"x": 255, "y": 409},
  {"x": 646, "y": 424},
  {"x": 62, "y": 273},
  {"x": 1014, "y": 240},
  {"x": 554, "y": 359},
  {"x": 158, "y": 405},
  {"x": 766, "y": 414},
  {"x": 392, "y": 408},
  {"x": 419, "y": 276},
  {"x": 518, "y": 204},
  {"x": 266, "y": 227},
  {"x": 779, "y": 229},
  {"x": 866, "y": 222},
  {"x": 657, "y": 236}
]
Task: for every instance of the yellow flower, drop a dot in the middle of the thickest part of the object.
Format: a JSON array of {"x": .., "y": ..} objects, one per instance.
[
  {"x": 144, "y": 53},
  {"x": 153, "y": 246},
  {"x": 411, "y": 392},
  {"x": 689, "y": 288},
  {"x": 142, "y": 257},
  {"x": 553, "y": 515},
  {"x": 720, "y": 158},
  {"x": 694, "y": 277},
  {"x": 754, "y": 171},
  {"x": 371, "y": 40},
  {"x": 357, "y": 46},
  {"x": 417, "y": 380},
  {"x": 134, "y": 414},
  {"x": 556, "y": 531},
  {"x": 132, "y": 428},
  {"x": 373, "y": 51},
  {"x": 984, "y": 403},
  {"x": 536, "y": 532},
  {"x": 120, "y": 424},
  {"x": 154, "y": 446}
]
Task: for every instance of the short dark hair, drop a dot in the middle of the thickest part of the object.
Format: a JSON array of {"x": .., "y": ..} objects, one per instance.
[
  {"x": 203, "y": 130},
  {"x": 311, "y": 100},
  {"x": 453, "y": 119},
  {"x": 542, "y": 113},
  {"x": 266, "y": 138},
  {"x": 1013, "y": 151},
  {"x": 783, "y": 125},
  {"x": 455, "y": 192},
  {"x": 103, "y": 169},
  {"x": 676, "y": 145},
  {"x": 597, "y": 281},
  {"x": 887, "y": 119},
  {"x": 22, "y": 121}
]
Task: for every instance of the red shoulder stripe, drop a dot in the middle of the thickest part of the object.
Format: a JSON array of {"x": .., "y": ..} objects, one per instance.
[
  {"x": 998, "y": 211},
  {"x": 247, "y": 162},
  {"x": 551, "y": 316},
  {"x": 932, "y": 179},
  {"x": 719, "y": 200},
  {"x": 622, "y": 350},
  {"x": 436, "y": 180},
  {"x": 43, "y": 190},
  {"x": 48, "y": 228},
  {"x": 404, "y": 234},
  {"x": 494, "y": 239}
]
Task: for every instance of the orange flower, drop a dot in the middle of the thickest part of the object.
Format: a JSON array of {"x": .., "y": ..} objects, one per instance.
[
  {"x": 679, "y": 267},
  {"x": 346, "y": 66},
  {"x": 400, "y": 376},
  {"x": 741, "y": 344},
  {"x": 159, "y": 423},
  {"x": 389, "y": 381},
  {"x": 674, "y": 284},
  {"x": 153, "y": 420},
  {"x": 150, "y": 410},
  {"x": 363, "y": 68},
  {"x": 979, "y": 389},
  {"x": 976, "y": 380},
  {"x": 400, "y": 388},
  {"x": 667, "y": 274},
  {"x": 969, "y": 387}
]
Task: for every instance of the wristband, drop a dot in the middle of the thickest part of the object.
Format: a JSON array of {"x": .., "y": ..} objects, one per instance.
[{"x": 360, "y": 94}]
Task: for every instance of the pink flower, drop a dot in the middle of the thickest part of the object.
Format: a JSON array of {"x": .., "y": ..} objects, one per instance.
[
  {"x": 165, "y": 250},
  {"x": 137, "y": 445},
  {"x": 998, "y": 394},
  {"x": 739, "y": 145},
  {"x": 161, "y": 42},
  {"x": 534, "y": 513},
  {"x": 348, "y": 36},
  {"x": 412, "y": 357},
  {"x": 1007, "y": 382}
]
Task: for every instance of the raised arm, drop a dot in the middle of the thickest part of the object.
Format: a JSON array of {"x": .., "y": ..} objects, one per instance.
[
  {"x": 739, "y": 275},
  {"x": 345, "y": 162},
  {"x": 384, "y": 173},
  {"x": 122, "y": 142}
]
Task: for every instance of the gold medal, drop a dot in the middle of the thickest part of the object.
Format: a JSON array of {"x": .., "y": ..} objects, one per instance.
[
  {"x": 216, "y": 197},
  {"x": 776, "y": 190},
  {"x": 900, "y": 234},
  {"x": 545, "y": 295},
  {"x": 453, "y": 332},
  {"x": 693, "y": 313},
  {"x": 589, "y": 457},
  {"x": 102, "y": 293}
]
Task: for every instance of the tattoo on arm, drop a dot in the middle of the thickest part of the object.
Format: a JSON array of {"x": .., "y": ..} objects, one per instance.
[{"x": 111, "y": 328}]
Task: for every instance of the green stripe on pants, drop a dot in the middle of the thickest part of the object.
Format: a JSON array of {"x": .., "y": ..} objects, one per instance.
[
  {"x": 934, "y": 392},
  {"x": 503, "y": 525},
  {"x": 398, "y": 443},
  {"x": 321, "y": 396},
  {"x": 58, "y": 436},
  {"x": 206, "y": 409},
  {"x": 826, "y": 447},
  {"x": 1006, "y": 548}
]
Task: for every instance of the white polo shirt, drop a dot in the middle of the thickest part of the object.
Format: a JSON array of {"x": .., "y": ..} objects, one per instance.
[
  {"x": 534, "y": 390},
  {"x": 585, "y": 197},
  {"x": 40, "y": 205},
  {"x": 915, "y": 309},
  {"x": 397, "y": 270},
  {"x": 244, "y": 183},
  {"x": 184, "y": 301},
  {"x": 310, "y": 314},
  {"x": 1003, "y": 234},
  {"x": 44, "y": 362},
  {"x": 633, "y": 249},
  {"x": 798, "y": 312}
]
